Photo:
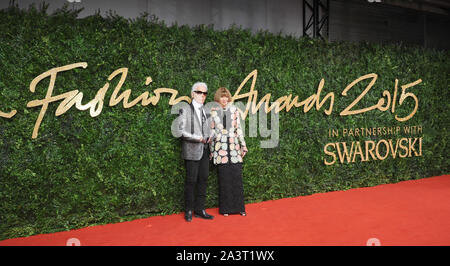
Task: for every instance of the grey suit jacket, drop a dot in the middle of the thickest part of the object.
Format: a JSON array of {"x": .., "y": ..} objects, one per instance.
[{"x": 190, "y": 131}]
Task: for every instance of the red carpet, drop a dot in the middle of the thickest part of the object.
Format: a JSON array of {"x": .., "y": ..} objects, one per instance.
[{"x": 413, "y": 212}]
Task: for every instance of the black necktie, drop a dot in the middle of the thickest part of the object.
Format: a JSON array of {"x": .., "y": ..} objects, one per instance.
[{"x": 203, "y": 119}]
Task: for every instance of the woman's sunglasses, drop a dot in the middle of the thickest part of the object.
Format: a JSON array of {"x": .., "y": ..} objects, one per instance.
[{"x": 200, "y": 92}]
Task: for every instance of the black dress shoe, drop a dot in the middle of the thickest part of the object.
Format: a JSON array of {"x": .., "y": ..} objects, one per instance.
[
  {"x": 188, "y": 216},
  {"x": 203, "y": 214}
]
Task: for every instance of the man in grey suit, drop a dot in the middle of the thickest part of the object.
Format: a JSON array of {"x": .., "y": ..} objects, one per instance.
[{"x": 195, "y": 135}]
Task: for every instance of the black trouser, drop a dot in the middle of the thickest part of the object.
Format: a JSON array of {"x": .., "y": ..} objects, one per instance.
[{"x": 196, "y": 182}]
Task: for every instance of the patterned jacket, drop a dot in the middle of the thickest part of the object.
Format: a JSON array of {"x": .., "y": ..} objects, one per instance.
[{"x": 228, "y": 138}]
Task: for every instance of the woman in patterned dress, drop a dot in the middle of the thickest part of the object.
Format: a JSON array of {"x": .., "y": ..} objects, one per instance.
[{"x": 227, "y": 152}]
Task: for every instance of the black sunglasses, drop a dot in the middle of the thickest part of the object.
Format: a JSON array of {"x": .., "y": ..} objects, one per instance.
[{"x": 204, "y": 92}]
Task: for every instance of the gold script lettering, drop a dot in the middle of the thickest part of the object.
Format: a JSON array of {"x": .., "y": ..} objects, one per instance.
[
  {"x": 347, "y": 110},
  {"x": 48, "y": 97},
  {"x": 286, "y": 102},
  {"x": 282, "y": 102},
  {"x": 403, "y": 97},
  {"x": 8, "y": 115},
  {"x": 144, "y": 97},
  {"x": 381, "y": 101},
  {"x": 75, "y": 97}
]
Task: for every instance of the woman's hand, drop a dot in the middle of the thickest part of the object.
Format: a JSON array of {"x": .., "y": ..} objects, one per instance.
[
  {"x": 244, "y": 151},
  {"x": 204, "y": 141}
]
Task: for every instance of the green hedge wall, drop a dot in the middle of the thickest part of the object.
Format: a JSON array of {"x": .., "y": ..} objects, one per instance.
[{"x": 125, "y": 164}]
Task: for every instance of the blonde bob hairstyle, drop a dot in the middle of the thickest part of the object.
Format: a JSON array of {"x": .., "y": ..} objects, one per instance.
[{"x": 222, "y": 92}]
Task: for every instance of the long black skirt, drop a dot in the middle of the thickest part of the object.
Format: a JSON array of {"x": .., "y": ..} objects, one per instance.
[{"x": 231, "y": 189}]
